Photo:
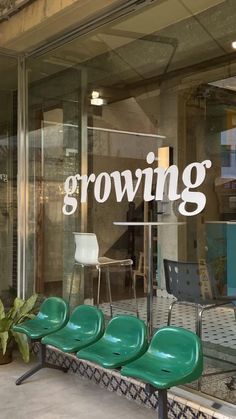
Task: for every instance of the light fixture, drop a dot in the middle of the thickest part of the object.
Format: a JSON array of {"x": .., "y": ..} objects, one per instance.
[
  {"x": 233, "y": 44},
  {"x": 165, "y": 157},
  {"x": 96, "y": 99}
]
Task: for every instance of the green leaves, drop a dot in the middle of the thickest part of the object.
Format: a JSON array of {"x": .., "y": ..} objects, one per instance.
[
  {"x": 2, "y": 311},
  {"x": 19, "y": 312},
  {"x": 23, "y": 346},
  {"x": 5, "y": 325},
  {"x": 28, "y": 305},
  {"x": 18, "y": 303},
  {"x": 21, "y": 309},
  {"x": 3, "y": 341}
]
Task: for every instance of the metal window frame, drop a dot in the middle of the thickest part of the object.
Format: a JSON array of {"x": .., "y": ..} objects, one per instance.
[
  {"x": 21, "y": 166},
  {"x": 22, "y": 177},
  {"x": 113, "y": 13}
]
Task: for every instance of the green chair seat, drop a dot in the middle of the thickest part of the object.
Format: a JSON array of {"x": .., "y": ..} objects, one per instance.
[
  {"x": 86, "y": 326},
  {"x": 52, "y": 316},
  {"x": 174, "y": 357},
  {"x": 124, "y": 340}
]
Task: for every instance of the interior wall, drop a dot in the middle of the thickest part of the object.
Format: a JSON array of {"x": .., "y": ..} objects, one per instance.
[
  {"x": 120, "y": 152},
  {"x": 168, "y": 235}
]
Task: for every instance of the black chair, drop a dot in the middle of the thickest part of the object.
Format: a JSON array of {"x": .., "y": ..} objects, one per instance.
[{"x": 194, "y": 284}]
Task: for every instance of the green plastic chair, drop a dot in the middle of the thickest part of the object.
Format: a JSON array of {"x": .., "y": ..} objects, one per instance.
[
  {"x": 86, "y": 326},
  {"x": 52, "y": 316},
  {"x": 124, "y": 340},
  {"x": 174, "y": 357}
]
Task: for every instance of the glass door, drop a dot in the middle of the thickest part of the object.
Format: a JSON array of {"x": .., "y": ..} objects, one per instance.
[{"x": 8, "y": 177}]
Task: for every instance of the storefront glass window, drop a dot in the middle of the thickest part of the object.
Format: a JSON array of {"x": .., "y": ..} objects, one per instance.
[
  {"x": 54, "y": 152},
  {"x": 164, "y": 76}
]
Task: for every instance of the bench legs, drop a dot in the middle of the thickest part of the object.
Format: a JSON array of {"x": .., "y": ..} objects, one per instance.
[
  {"x": 162, "y": 404},
  {"x": 42, "y": 364},
  {"x": 162, "y": 400}
]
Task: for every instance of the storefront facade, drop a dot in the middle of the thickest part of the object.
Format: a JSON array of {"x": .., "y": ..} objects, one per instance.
[{"x": 161, "y": 77}]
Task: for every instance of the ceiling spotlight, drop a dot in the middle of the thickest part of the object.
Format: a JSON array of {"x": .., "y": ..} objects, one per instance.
[
  {"x": 95, "y": 94},
  {"x": 96, "y": 99},
  {"x": 233, "y": 44}
]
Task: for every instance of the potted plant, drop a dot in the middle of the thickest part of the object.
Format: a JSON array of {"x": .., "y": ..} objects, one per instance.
[{"x": 20, "y": 311}]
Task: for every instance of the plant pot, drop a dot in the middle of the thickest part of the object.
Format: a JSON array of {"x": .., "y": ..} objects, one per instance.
[{"x": 7, "y": 357}]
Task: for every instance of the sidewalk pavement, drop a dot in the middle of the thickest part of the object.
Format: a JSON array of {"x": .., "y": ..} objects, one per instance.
[{"x": 52, "y": 394}]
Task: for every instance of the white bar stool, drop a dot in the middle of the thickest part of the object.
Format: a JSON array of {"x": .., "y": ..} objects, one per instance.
[{"x": 86, "y": 254}]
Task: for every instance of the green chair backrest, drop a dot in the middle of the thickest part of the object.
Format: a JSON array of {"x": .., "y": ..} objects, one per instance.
[
  {"x": 180, "y": 347},
  {"x": 89, "y": 319},
  {"x": 127, "y": 331},
  {"x": 54, "y": 309}
]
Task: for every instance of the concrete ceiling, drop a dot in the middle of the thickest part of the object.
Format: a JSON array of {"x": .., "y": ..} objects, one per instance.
[
  {"x": 165, "y": 36},
  {"x": 45, "y": 19},
  {"x": 148, "y": 43}
]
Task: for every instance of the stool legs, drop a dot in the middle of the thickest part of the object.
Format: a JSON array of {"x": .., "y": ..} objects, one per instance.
[
  {"x": 73, "y": 277},
  {"x": 109, "y": 290},
  {"x": 108, "y": 283},
  {"x": 133, "y": 276},
  {"x": 71, "y": 283},
  {"x": 99, "y": 285},
  {"x": 108, "y": 287}
]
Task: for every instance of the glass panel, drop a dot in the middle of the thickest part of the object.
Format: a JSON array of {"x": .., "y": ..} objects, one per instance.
[
  {"x": 8, "y": 178},
  {"x": 164, "y": 76},
  {"x": 54, "y": 153}
]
